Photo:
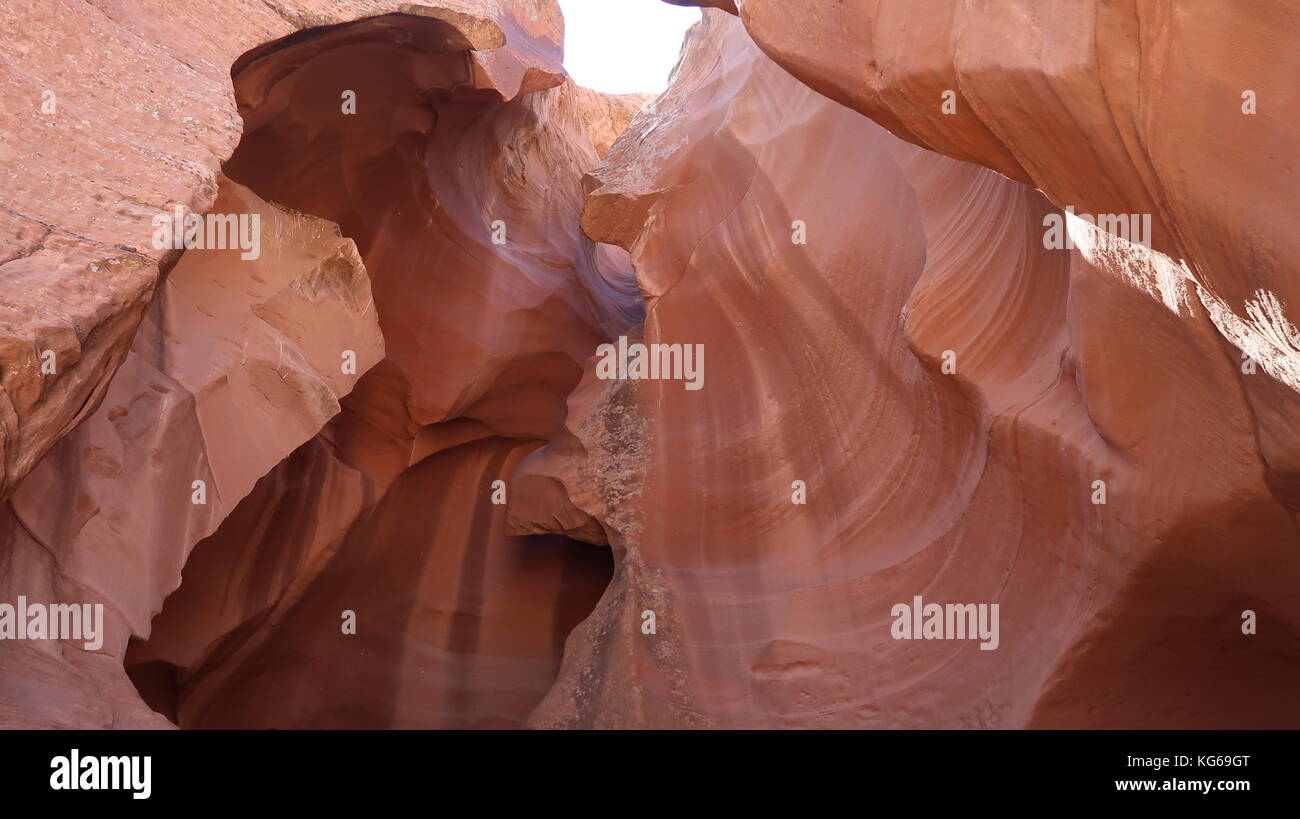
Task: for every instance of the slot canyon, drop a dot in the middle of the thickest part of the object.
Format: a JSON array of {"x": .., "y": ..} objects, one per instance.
[{"x": 374, "y": 474}]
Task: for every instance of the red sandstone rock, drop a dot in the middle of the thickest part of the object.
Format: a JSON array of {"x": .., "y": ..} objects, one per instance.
[
  {"x": 829, "y": 269},
  {"x": 112, "y": 549},
  {"x": 1157, "y": 93},
  {"x": 606, "y": 115},
  {"x": 825, "y": 367},
  {"x": 237, "y": 362},
  {"x": 465, "y": 206},
  {"x": 112, "y": 113},
  {"x": 458, "y": 625}
]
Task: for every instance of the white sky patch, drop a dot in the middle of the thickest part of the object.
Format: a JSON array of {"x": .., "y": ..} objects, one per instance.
[{"x": 623, "y": 46}]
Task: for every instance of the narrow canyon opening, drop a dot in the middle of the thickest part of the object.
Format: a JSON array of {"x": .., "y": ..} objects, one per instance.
[
  {"x": 459, "y": 180},
  {"x": 371, "y": 475}
]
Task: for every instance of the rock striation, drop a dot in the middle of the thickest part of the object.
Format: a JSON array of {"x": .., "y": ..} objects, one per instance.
[
  {"x": 1185, "y": 112},
  {"x": 980, "y": 308},
  {"x": 974, "y": 483},
  {"x": 238, "y": 368}
]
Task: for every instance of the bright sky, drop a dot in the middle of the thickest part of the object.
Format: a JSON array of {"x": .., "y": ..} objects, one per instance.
[{"x": 623, "y": 46}]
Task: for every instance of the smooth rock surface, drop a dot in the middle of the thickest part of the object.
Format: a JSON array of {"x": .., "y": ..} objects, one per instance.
[
  {"x": 905, "y": 391},
  {"x": 464, "y": 203},
  {"x": 1186, "y": 111},
  {"x": 825, "y": 366}
]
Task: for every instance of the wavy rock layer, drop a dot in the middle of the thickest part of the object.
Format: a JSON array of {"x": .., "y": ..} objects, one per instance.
[
  {"x": 825, "y": 365},
  {"x": 413, "y": 476},
  {"x": 464, "y": 202},
  {"x": 1186, "y": 112},
  {"x": 237, "y": 363}
]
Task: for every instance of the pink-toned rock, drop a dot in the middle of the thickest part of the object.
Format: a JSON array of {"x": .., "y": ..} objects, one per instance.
[
  {"x": 910, "y": 396},
  {"x": 463, "y": 209},
  {"x": 1185, "y": 111},
  {"x": 464, "y": 203},
  {"x": 238, "y": 361},
  {"x": 117, "y": 111},
  {"x": 825, "y": 375},
  {"x": 607, "y": 115}
]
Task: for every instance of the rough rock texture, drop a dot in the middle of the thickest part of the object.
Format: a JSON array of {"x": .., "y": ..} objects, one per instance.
[
  {"x": 236, "y": 364},
  {"x": 606, "y": 115},
  {"x": 825, "y": 366},
  {"x": 114, "y": 111}
]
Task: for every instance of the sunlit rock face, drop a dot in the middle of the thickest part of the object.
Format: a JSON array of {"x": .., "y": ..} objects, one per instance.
[
  {"x": 606, "y": 115},
  {"x": 826, "y": 367}
]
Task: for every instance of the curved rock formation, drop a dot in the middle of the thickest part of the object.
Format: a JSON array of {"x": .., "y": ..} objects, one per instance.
[
  {"x": 235, "y": 365},
  {"x": 826, "y": 372},
  {"x": 390, "y": 466},
  {"x": 1185, "y": 112},
  {"x": 463, "y": 196},
  {"x": 111, "y": 116},
  {"x": 112, "y": 513},
  {"x": 457, "y": 625}
]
